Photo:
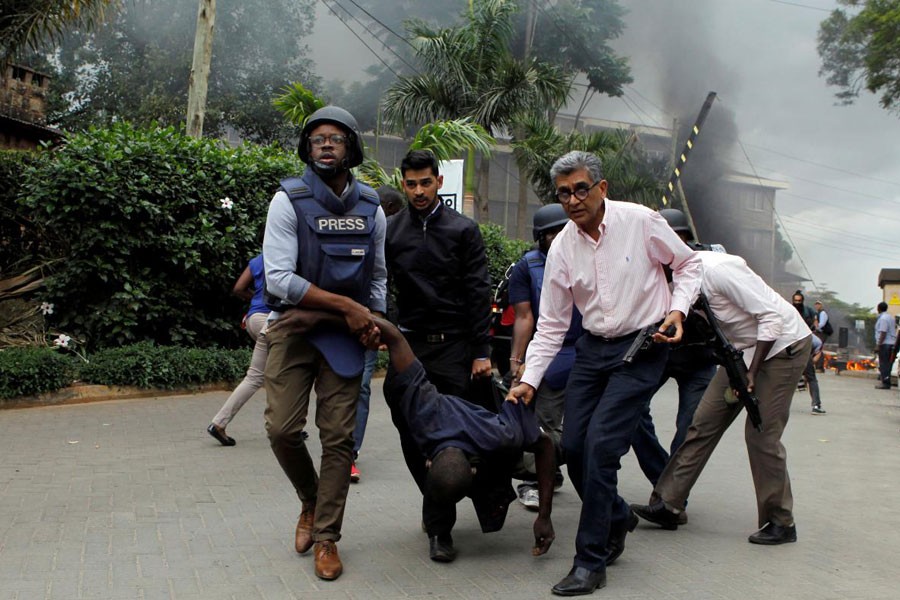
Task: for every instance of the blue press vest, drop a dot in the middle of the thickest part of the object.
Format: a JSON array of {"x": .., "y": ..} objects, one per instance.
[
  {"x": 336, "y": 249},
  {"x": 558, "y": 372}
]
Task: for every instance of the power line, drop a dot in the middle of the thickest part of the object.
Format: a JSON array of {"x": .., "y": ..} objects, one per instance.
[
  {"x": 798, "y": 5},
  {"x": 350, "y": 29},
  {"x": 366, "y": 28},
  {"x": 843, "y": 206},
  {"x": 383, "y": 25},
  {"x": 859, "y": 238},
  {"x": 824, "y": 166},
  {"x": 778, "y": 218}
]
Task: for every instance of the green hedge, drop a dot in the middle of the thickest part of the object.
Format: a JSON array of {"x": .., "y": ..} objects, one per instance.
[
  {"x": 501, "y": 251},
  {"x": 29, "y": 371},
  {"x": 144, "y": 249},
  {"x": 147, "y": 365}
]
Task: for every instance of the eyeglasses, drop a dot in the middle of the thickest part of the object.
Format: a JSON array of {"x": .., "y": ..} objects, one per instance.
[
  {"x": 565, "y": 196},
  {"x": 335, "y": 139}
]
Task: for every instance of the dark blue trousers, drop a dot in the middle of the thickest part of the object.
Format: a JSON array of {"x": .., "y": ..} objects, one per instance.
[
  {"x": 604, "y": 402},
  {"x": 650, "y": 454}
]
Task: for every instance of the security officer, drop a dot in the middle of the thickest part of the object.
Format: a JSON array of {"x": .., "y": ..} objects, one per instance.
[
  {"x": 437, "y": 264},
  {"x": 525, "y": 281},
  {"x": 323, "y": 248}
]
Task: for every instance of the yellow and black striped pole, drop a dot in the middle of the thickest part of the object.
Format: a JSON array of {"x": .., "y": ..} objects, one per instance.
[{"x": 688, "y": 146}]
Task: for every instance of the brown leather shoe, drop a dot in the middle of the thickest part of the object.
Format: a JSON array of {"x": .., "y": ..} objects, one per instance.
[
  {"x": 303, "y": 538},
  {"x": 328, "y": 563}
]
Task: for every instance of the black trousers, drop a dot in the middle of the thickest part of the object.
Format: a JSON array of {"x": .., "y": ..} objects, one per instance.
[{"x": 449, "y": 367}]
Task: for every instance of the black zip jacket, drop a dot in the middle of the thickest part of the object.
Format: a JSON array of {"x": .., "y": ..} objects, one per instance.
[{"x": 439, "y": 271}]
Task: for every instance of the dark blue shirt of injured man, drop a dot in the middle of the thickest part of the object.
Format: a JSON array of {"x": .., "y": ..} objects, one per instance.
[{"x": 438, "y": 421}]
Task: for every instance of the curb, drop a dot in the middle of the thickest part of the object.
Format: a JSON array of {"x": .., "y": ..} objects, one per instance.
[{"x": 84, "y": 393}]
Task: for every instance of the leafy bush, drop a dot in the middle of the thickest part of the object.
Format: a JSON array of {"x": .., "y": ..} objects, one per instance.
[
  {"x": 147, "y": 365},
  {"x": 33, "y": 370},
  {"x": 17, "y": 238},
  {"x": 147, "y": 250},
  {"x": 501, "y": 251}
]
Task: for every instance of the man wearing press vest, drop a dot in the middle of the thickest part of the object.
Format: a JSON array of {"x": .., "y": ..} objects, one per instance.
[{"x": 324, "y": 249}]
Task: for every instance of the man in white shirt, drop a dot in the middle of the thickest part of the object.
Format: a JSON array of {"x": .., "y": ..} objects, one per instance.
[
  {"x": 608, "y": 262},
  {"x": 777, "y": 344}
]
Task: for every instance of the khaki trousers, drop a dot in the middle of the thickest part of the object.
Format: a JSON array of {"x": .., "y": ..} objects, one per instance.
[
  {"x": 775, "y": 384},
  {"x": 293, "y": 367}
]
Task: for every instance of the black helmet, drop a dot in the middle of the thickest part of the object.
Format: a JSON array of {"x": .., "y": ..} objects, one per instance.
[
  {"x": 340, "y": 117},
  {"x": 548, "y": 217},
  {"x": 677, "y": 221}
]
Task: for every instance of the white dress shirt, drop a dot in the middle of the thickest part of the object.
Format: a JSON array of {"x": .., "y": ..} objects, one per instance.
[{"x": 747, "y": 309}]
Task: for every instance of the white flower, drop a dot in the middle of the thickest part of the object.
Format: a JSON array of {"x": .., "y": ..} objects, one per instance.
[
  {"x": 227, "y": 203},
  {"x": 46, "y": 308},
  {"x": 62, "y": 341}
]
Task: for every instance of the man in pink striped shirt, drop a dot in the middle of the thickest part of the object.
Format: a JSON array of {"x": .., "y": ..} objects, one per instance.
[{"x": 607, "y": 262}]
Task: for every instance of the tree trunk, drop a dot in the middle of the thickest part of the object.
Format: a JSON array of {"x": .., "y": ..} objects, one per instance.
[
  {"x": 522, "y": 208},
  {"x": 482, "y": 197},
  {"x": 203, "y": 39}
]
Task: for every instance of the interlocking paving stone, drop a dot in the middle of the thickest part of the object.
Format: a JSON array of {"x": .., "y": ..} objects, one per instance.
[{"x": 132, "y": 499}]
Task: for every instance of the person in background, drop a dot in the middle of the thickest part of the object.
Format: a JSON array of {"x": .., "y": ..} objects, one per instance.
[
  {"x": 812, "y": 382},
  {"x": 823, "y": 331},
  {"x": 391, "y": 202},
  {"x": 249, "y": 286},
  {"x": 525, "y": 282},
  {"x": 809, "y": 317},
  {"x": 885, "y": 337}
]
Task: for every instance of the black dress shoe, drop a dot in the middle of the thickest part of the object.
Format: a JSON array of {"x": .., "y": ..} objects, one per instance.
[
  {"x": 580, "y": 581},
  {"x": 220, "y": 435},
  {"x": 441, "y": 548},
  {"x": 615, "y": 545},
  {"x": 772, "y": 535},
  {"x": 657, "y": 513}
]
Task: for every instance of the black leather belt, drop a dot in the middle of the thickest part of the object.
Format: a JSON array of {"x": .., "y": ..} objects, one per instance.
[
  {"x": 614, "y": 340},
  {"x": 431, "y": 338}
]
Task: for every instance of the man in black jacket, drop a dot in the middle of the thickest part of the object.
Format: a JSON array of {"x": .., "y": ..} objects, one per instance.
[{"x": 437, "y": 264}]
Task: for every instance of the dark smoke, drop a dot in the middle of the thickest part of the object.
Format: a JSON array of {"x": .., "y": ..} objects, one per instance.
[{"x": 669, "y": 42}]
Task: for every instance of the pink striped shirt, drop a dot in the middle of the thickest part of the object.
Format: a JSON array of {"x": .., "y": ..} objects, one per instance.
[{"x": 617, "y": 282}]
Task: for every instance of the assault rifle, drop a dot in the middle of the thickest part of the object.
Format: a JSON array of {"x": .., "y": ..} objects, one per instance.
[{"x": 733, "y": 360}]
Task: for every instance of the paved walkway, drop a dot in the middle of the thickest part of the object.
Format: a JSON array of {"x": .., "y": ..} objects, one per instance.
[{"x": 132, "y": 499}]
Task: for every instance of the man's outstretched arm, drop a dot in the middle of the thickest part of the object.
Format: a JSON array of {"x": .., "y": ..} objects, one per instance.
[
  {"x": 545, "y": 465},
  {"x": 301, "y": 320}
]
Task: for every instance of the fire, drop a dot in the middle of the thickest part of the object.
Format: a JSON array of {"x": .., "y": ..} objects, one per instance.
[{"x": 863, "y": 364}]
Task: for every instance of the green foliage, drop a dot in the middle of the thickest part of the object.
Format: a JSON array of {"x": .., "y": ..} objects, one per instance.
[
  {"x": 147, "y": 365},
  {"x": 16, "y": 234},
  {"x": 149, "y": 252},
  {"x": 501, "y": 251},
  {"x": 136, "y": 66},
  {"x": 631, "y": 175},
  {"x": 860, "y": 48},
  {"x": 296, "y": 103},
  {"x": 33, "y": 370},
  {"x": 28, "y": 23}
]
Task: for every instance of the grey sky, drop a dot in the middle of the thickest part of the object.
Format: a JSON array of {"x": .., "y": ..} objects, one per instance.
[{"x": 842, "y": 213}]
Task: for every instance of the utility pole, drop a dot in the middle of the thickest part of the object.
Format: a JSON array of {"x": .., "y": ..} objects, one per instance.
[
  {"x": 522, "y": 188},
  {"x": 203, "y": 39}
]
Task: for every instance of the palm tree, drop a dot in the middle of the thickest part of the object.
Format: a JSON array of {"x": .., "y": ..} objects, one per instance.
[
  {"x": 30, "y": 23},
  {"x": 446, "y": 139},
  {"x": 631, "y": 175},
  {"x": 469, "y": 71}
]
